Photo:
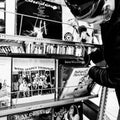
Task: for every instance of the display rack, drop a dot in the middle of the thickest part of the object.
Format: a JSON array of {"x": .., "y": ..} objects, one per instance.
[
  {"x": 19, "y": 40},
  {"x": 39, "y": 105}
]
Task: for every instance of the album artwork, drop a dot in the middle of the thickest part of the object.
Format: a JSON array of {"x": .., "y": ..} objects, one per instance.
[
  {"x": 75, "y": 82},
  {"x": 42, "y": 114},
  {"x": 68, "y": 112},
  {"x": 41, "y": 19},
  {"x": 5, "y": 81},
  {"x": 33, "y": 80}
]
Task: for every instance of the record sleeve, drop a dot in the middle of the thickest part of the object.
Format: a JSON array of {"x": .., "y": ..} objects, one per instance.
[
  {"x": 38, "y": 20},
  {"x": 42, "y": 114},
  {"x": 75, "y": 82},
  {"x": 33, "y": 80},
  {"x": 66, "y": 112}
]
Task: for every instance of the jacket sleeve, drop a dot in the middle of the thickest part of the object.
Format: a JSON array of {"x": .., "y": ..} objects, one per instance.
[{"x": 102, "y": 77}]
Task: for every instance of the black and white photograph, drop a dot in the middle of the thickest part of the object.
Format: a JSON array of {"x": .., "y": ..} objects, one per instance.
[
  {"x": 59, "y": 59},
  {"x": 33, "y": 79}
]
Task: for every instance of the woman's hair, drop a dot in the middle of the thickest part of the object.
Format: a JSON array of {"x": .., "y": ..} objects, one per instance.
[{"x": 75, "y": 111}]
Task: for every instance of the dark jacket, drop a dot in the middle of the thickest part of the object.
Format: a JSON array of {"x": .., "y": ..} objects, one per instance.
[{"x": 111, "y": 41}]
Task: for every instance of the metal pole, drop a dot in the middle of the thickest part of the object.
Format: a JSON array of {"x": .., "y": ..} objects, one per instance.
[{"x": 103, "y": 101}]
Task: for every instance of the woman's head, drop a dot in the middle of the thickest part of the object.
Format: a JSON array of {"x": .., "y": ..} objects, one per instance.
[{"x": 73, "y": 110}]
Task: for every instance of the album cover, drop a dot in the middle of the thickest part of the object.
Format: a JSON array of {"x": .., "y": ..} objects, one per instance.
[
  {"x": 75, "y": 82},
  {"x": 42, "y": 114},
  {"x": 39, "y": 19},
  {"x": 68, "y": 112},
  {"x": 5, "y": 81},
  {"x": 33, "y": 79}
]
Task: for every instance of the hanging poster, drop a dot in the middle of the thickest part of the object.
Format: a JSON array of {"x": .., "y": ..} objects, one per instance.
[
  {"x": 5, "y": 81},
  {"x": 41, "y": 19},
  {"x": 32, "y": 80}
]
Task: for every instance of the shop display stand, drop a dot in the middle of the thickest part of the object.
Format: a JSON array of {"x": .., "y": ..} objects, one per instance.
[
  {"x": 38, "y": 105},
  {"x": 20, "y": 108},
  {"x": 18, "y": 40}
]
